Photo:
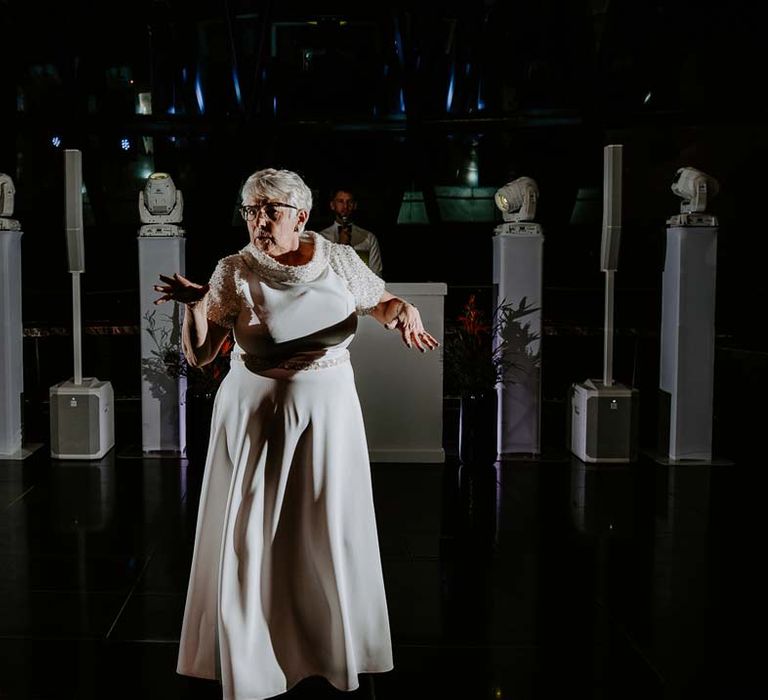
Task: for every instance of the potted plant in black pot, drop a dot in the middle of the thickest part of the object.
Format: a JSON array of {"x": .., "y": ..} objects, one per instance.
[{"x": 483, "y": 350}]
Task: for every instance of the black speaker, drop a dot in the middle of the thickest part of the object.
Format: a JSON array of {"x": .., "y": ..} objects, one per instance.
[
  {"x": 609, "y": 249},
  {"x": 73, "y": 184}
]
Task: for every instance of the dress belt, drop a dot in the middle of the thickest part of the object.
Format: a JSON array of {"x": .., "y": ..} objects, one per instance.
[{"x": 296, "y": 364}]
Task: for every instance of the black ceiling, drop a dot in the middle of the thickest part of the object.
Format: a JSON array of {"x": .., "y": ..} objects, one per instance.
[{"x": 340, "y": 60}]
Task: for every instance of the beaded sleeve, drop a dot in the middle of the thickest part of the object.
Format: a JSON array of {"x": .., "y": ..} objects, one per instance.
[
  {"x": 223, "y": 301},
  {"x": 366, "y": 287}
]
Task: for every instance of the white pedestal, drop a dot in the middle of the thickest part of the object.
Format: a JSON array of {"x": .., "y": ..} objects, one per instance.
[
  {"x": 162, "y": 396},
  {"x": 11, "y": 352},
  {"x": 401, "y": 390},
  {"x": 517, "y": 275},
  {"x": 688, "y": 341}
]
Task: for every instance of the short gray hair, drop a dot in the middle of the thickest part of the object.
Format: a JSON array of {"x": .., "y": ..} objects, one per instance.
[{"x": 278, "y": 185}]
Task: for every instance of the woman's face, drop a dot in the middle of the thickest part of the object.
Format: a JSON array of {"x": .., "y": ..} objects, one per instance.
[{"x": 273, "y": 226}]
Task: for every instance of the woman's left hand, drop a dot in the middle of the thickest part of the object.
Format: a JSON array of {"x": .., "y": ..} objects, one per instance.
[{"x": 408, "y": 321}]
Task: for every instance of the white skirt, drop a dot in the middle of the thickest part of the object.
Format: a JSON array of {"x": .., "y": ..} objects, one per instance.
[{"x": 286, "y": 577}]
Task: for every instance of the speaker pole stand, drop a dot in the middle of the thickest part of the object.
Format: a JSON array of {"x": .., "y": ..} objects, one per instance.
[
  {"x": 608, "y": 330},
  {"x": 77, "y": 331}
]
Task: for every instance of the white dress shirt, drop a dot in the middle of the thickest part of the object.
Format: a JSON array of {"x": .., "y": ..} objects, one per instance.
[{"x": 364, "y": 242}]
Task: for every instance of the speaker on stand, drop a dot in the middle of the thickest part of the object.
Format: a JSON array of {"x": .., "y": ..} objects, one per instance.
[
  {"x": 603, "y": 417},
  {"x": 82, "y": 418}
]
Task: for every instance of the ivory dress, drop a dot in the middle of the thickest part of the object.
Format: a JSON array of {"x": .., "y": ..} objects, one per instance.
[{"x": 286, "y": 577}]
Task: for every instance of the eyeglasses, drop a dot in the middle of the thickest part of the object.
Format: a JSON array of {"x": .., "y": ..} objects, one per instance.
[{"x": 250, "y": 212}]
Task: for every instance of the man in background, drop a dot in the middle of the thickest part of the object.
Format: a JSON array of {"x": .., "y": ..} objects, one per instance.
[{"x": 344, "y": 230}]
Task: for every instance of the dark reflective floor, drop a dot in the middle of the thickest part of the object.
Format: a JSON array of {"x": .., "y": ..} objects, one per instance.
[{"x": 526, "y": 579}]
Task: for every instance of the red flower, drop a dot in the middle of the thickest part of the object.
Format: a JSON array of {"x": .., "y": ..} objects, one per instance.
[{"x": 472, "y": 318}]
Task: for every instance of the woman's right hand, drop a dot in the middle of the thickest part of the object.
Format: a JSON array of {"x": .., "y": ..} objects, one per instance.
[
  {"x": 179, "y": 288},
  {"x": 407, "y": 320}
]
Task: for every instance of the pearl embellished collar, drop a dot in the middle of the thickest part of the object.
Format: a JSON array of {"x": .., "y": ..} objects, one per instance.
[{"x": 269, "y": 268}]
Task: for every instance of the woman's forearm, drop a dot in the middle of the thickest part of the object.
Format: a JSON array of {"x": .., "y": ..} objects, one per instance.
[
  {"x": 195, "y": 335},
  {"x": 388, "y": 308}
]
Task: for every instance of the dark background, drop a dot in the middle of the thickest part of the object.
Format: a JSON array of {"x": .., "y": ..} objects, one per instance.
[{"x": 390, "y": 99}]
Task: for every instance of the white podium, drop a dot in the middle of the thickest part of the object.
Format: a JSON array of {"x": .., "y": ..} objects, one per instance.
[
  {"x": 517, "y": 276},
  {"x": 401, "y": 389},
  {"x": 688, "y": 342},
  {"x": 11, "y": 351},
  {"x": 162, "y": 396}
]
